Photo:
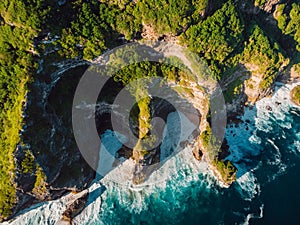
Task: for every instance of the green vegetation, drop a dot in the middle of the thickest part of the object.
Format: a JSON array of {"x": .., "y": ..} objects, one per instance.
[
  {"x": 260, "y": 2},
  {"x": 40, "y": 189},
  {"x": 209, "y": 143},
  {"x": 96, "y": 24},
  {"x": 30, "y": 167},
  {"x": 27, "y": 164},
  {"x": 293, "y": 26},
  {"x": 20, "y": 22},
  {"x": 289, "y": 21},
  {"x": 170, "y": 16},
  {"x": 217, "y": 37},
  {"x": 85, "y": 36},
  {"x": 206, "y": 137},
  {"x": 233, "y": 89},
  {"x": 220, "y": 34},
  {"x": 262, "y": 53},
  {"x": 296, "y": 68},
  {"x": 295, "y": 95},
  {"x": 281, "y": 16},
  {"x": 144, "y": 114},
  {"x": 141, "y": 114},
  {"x": 226, "y": 169}
]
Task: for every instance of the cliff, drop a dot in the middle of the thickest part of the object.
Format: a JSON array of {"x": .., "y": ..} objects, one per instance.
[{"x": 247, "y": 44}]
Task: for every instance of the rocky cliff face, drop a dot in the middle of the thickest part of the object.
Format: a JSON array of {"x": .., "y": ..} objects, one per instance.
[
  {"x": 269, "y": 6},
  {"x": 48, "y": 161},
  {"x": 191, "y": 96}
]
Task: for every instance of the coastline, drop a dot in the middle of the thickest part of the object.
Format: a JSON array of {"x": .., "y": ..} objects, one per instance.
[
  {"x": 250, "y": 122},
  {"x": 210, "y": 167}
]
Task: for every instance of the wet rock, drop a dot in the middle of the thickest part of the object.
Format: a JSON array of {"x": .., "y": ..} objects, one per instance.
[
  {"x": 197, "y": 153},
  {"x": 270, "y": 5},
  {"x": 139, "y": 175},
  {"x": 269, "y": 108},
  {"x": 61, "y": 2},
  {"x": 278, "y": 103},
  {"x": 183, "y": 144},
  {"x": 74, "y": 208}
]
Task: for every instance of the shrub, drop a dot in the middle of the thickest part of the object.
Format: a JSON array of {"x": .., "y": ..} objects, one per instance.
[{"x": 295, "y": 95}]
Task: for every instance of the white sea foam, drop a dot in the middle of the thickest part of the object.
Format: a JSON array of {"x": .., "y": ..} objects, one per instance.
[
  {"x": 248, "y": 186},
  {"x": 134, "y": 198},
  {"x": 244, "y": 139},
  {"x": 111, "y": 142},
  {"x": 175, "y": 132},
  {"x": 178, "y": 172},
  {"x": 296, "y": 146},
  {"x": 47, "y": 213},
  {"x": 254, "y": 216}
]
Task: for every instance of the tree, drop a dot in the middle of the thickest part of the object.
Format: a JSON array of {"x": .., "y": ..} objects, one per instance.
[{"x": 216, "y": 38}]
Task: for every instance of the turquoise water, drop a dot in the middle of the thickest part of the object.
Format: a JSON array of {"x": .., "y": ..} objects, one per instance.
[{"x": 266, "y": 149}]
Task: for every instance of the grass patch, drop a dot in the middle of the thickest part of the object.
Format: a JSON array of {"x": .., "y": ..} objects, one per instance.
[
  {"x": 259, "y": 2},
  {"x": 295, "y": 95},
  {"x": 184, "y": 91},
  {"x": 226, "y": 169},
  {"x": 264, "y": 53}
]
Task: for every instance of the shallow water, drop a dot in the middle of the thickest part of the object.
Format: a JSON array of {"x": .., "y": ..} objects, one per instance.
[{"x": 266, "y": 150}]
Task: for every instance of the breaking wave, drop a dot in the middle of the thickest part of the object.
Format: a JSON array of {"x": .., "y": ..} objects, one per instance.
[{"x": 263, "y": 147}]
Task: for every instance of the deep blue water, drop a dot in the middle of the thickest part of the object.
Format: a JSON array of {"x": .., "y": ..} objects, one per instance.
[
  {"x": 265, "y": 147},
  {"x": 266, "y": 150}
]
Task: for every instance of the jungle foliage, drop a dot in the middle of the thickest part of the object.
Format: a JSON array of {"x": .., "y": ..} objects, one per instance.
[
  {"x": 217, "y": 37},
  {"x": 218, "y": 32},
  {"x": 288, "y": 17},
  {"x": 20, "y": 22}
]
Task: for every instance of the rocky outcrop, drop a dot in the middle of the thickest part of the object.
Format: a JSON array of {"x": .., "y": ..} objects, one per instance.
[
  {"x": 56, "y": 166},
  {"x": 269, "y": 6},
  {"x": 295, "y": 72},
  {"x": 197, "y": 153},
  {"x": 75, "y": 207},
  {"x": 149, "y": 32},
  {"x": 148, "y": 159},
  {"x": 295, "y": 95}
]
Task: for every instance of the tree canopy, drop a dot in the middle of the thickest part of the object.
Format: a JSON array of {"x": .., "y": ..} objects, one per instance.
[
  {"x": 216, "y": 37},
  {"x": 218, "y": 31}
]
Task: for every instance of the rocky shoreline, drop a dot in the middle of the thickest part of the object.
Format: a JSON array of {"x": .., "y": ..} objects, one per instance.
[
  {"x": 199, "y": 152},
  {"x": 77, "y": 203}
]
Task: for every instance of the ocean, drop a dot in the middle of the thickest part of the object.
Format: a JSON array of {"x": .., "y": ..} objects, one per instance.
[{"x": 265, "y": 148}]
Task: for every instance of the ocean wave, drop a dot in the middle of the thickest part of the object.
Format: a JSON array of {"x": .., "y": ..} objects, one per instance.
[
  {"x": 165, "y": 188},
  {"x": 254, "y": 216},
  {"x": 184, "y": 186},
  {"x": 248, "y": 186},
  {"x": 272, "y": 142}
]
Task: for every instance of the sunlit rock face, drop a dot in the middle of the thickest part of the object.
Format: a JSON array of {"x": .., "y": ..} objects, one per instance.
[{"x": 151, "y": 159}]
